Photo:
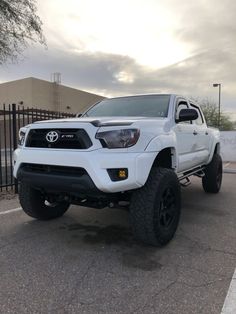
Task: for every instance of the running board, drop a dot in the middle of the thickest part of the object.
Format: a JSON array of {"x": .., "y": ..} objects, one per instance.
[
  {"x": 186, "y": 183},
  {"x": 199, "y": 172}
]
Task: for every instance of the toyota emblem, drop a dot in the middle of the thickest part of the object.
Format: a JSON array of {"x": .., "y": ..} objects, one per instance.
[{"x": 52, "y": 136}]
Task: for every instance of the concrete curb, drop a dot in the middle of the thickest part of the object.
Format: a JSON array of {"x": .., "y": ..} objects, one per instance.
[{"x": 228, "y": 170}]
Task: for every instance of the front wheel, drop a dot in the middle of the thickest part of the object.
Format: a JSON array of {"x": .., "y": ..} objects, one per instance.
[
  {"x": 35, "y": 204},
  {"x": 155, "y": 208},
  {"x": 212, "y": 179}
]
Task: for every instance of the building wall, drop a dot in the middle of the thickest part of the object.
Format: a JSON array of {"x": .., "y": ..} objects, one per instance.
[
  {"x": 46, "y": 95},
  {"x": 76, "y": 99},
  {"x": 42, "y": 95},
  {"x": 16, "y": 91},
  {"x": 228, "y": 145}
]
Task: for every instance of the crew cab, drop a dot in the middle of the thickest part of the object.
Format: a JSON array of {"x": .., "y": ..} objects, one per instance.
[{"x": 133, "y": 151}]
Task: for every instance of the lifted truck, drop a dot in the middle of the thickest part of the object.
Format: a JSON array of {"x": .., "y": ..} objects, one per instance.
[{"x": 134, "y": 151}]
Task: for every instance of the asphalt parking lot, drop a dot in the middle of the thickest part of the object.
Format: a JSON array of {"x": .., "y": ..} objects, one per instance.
[{"x": 88, "y": 262}]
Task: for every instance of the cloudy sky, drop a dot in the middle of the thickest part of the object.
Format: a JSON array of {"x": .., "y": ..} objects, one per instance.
[{"x": 117, "y": 47}]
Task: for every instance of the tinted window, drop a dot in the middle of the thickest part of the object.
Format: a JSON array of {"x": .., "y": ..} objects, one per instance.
[
  {"x": 199, "y": 120},
  {"x": 135, "y": 106},
  {"x": 181, "y": 105}
]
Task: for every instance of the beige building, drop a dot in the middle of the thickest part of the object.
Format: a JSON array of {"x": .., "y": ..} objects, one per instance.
[{"x": 36, "y": 93}]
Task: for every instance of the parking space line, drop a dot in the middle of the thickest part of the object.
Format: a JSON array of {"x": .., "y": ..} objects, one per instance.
[
  {"x": 229, "y": 306},
  {"x": 10, "y": 211}
]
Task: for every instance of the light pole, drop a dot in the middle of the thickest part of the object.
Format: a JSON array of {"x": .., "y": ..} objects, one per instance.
[{"x": 218, "y": 85}]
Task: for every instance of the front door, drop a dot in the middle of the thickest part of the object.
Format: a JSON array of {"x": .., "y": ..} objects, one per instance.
[{"x": 186, "y": 141}]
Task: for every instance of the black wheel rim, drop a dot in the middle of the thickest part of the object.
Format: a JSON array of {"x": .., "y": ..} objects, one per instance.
[
  {"x": 167, "y": 208},
  {"x": 50, "y": 205}
]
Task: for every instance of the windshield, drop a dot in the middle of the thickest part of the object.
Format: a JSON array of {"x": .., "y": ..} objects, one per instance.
[{"x": 134, "y": 106}]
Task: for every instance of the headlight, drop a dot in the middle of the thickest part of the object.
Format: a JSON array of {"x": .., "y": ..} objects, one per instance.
[
  {"x": 22, "y": 132},
  {"x": 119, "y": 138},
  {"x": 21, "y": 138}
]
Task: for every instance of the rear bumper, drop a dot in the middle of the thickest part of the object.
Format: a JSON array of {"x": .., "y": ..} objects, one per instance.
[{"x": 95, "y": 163}]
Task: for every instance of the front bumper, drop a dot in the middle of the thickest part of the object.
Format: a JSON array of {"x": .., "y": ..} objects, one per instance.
[
  {"x": 59, "y": 182},
  {"x": 95, "y": 163}
]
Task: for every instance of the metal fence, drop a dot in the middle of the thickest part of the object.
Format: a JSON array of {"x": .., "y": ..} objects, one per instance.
[{"x": 12, "y": 118}]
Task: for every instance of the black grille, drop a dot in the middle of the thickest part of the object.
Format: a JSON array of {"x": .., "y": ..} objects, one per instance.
[
  {"x": 54, "y": 170},
  {"x": 67, "y": 138}
]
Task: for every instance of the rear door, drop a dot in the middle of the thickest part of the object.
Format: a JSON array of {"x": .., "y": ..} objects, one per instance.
[{"x": 202, "y": 136}]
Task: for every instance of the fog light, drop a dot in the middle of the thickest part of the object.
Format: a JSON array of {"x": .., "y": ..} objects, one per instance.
[
  {"x": 122, "y": 174},
  {"x": 118, "y": 174}
]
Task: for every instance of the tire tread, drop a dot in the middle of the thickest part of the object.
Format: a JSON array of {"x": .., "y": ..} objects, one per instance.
[
  {"x": 32, "y": 203},
  {"x": 142, "y": 207}
]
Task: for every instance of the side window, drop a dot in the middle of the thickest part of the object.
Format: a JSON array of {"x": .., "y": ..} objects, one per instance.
[
  {"x": 180, "y": 106},
  {"x": 199, "y": 120}
]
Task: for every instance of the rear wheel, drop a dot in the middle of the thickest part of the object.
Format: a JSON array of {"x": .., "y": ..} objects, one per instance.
[
  {"x": 212, "y": 179},
  {"x": 37, "y": 205},
  {"x": 155, "y": 208}
]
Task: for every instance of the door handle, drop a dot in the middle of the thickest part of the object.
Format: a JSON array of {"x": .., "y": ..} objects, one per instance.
[
  {"x": 206, "y": 133},
  {"x": 195, "y": 132}
]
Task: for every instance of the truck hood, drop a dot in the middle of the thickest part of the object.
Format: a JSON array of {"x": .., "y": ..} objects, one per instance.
[
  {"x": 149, "y": 128},
  {"x": 105, "y": 121}
]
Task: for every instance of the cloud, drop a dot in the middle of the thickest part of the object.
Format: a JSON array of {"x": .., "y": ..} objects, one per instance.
[
  {"x": 208, "y": 27},
  {"x": 208, "y": 24},
  {"x": 112, "y": 74}
]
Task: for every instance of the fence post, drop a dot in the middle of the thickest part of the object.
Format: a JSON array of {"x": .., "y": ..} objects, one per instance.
[{"x": 15, "y": 138}]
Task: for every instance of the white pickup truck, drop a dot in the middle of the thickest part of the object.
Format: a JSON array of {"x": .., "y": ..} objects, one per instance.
[{"x": 135, "y": 151}]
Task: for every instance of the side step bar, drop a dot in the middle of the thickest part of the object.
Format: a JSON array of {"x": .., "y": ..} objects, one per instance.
[{"x": 199, "y": 172}]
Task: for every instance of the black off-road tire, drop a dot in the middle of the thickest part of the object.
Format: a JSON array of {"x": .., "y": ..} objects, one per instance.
[
  {"x": 212, "y": 179},
  {"x": 33, "y": 204},
  {"x": 160, "y": 193}
]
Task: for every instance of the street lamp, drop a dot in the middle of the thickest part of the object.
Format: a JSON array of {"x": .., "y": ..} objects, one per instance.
[{"x": 218, "y": 85}]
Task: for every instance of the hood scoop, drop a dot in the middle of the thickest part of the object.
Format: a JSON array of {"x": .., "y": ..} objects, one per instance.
[
  {"x": 98, "y": 123},
  {"x": 95, "y": 122}
]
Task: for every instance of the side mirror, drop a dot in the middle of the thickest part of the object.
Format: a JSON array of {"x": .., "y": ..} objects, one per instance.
[
  {"x": 187, "y": 115},
  {"x": 79, "y": 115}
]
